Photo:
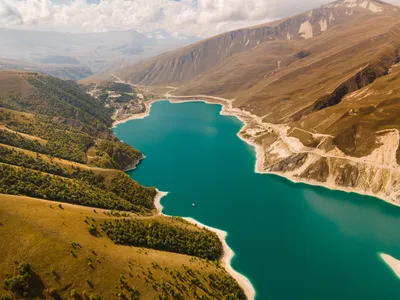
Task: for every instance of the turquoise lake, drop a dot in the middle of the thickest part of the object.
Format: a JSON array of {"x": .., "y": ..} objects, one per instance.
[{"x": 293, "y": 241}]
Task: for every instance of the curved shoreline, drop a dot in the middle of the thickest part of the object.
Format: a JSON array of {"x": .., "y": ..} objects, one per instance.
[
  {"x": 245, "y": 117},
  {"x": 228, "y": 253},
  {"x": 392, "y": 263}
]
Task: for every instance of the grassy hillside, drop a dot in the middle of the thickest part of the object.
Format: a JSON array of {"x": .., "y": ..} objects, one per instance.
[
  {"x": 66, "y": 259},
  {"x": 361, "y": 118},
  {"x": 75, "y": 125},
  {"x": 48, "y": 163},
  {"x": 73, "y": 225}
]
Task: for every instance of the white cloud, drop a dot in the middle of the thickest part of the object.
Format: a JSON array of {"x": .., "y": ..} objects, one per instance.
[
  {"x": 180, "y": 17},
  {"x": 9, "y": 14}
]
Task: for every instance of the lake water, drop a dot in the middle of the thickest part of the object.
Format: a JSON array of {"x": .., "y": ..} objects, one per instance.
[{"x": 293, "y": 241}]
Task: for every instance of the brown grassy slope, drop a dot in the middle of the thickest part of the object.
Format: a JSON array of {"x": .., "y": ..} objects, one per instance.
[
  {"x": 355, "y": 123},
  {"x": 40, "y": 233},
  {"x": 287, "y": 89},
  {"x": 55, "y": 239},
  {"x": 14, "y": 82},
  {"x": 281, "y": 79}
]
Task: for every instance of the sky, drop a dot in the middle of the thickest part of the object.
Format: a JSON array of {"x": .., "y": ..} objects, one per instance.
[{"x": 202, "y": 18}]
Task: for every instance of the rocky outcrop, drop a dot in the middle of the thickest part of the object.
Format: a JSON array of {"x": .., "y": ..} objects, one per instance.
[
  {"x": 361, "y": 79},
  {"x": 377, "y": 174},
  {"x": 133, "y": 164}
]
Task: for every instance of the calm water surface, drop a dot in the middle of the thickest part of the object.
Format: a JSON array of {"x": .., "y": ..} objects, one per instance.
[{"x": 293, "y": 241}]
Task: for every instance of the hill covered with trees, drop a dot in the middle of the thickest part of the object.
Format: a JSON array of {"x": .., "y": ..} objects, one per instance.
[{"x": 63, "y": 187}]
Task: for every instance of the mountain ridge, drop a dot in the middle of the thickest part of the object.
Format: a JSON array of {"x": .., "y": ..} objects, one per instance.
[{"x": 191, "y": 61}]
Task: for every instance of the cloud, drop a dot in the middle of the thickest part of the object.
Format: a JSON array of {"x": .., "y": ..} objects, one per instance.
[
  {"x": 9, "y": 14},
  {"x": 179, "y": 17},
  {"x": 184, "y": 17}
]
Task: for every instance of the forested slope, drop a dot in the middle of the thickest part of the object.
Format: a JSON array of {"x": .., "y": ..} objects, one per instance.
[
  {"x": 57, "y": 149},
  {"x": 57, "y": 119}
]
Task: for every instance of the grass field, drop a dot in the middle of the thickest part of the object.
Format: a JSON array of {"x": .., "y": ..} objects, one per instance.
[{"x": 62, "y": 253}]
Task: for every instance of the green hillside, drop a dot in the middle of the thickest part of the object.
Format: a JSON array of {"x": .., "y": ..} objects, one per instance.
[{"x": 81, "y": 228}]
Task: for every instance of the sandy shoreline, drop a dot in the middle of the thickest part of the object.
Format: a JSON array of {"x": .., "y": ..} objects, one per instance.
[
  {"x": 393, "y": 263},
  {"x": 228, "y": 253}
]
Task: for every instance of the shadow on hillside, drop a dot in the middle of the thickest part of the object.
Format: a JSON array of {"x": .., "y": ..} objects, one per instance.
[{"x": 37, "y": 286}]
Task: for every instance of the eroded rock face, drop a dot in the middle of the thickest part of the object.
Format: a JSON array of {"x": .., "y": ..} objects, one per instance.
[
  {"x": 347, "y": 176},
  {"x": 341, "y": 174},
  {"x": 398, "y": 155},
  {"x": 361, "y": 79},
  {"x": 376, "y": 174},
  {"x": 289, "y": 164},
  {"x": 318, "y": 171},
  {"x": 185, "y": 64}
]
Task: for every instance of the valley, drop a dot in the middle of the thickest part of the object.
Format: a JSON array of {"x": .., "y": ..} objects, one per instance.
[
  {"x": 97, "y": 168},
  {"x": 335, "y": 128},
  {"x": 283, "y": 234}
]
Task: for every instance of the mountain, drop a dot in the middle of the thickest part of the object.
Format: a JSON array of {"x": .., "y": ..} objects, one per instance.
[
  {"x": 72, "y": 223},
  {"x": 308, "y": 88},
  {"x": 96, "y": 52},
  {"x": 183, "y": 65},
  {"x": 63, "y": 71}
]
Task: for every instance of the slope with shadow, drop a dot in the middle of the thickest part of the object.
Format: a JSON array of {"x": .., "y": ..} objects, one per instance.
[{"x": 68, "y": 259}]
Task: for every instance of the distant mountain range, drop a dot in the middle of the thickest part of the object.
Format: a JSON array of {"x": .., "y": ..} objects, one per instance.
[
  {"x": 93, "y": 52},
  {"x": 63, "y": 71}
]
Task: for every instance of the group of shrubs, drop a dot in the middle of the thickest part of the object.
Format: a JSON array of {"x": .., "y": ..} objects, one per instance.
[
  {"x": 22, "y": 181},
  {"x": 20, "y": 283},
  {"x": 163, "y": 236}
]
